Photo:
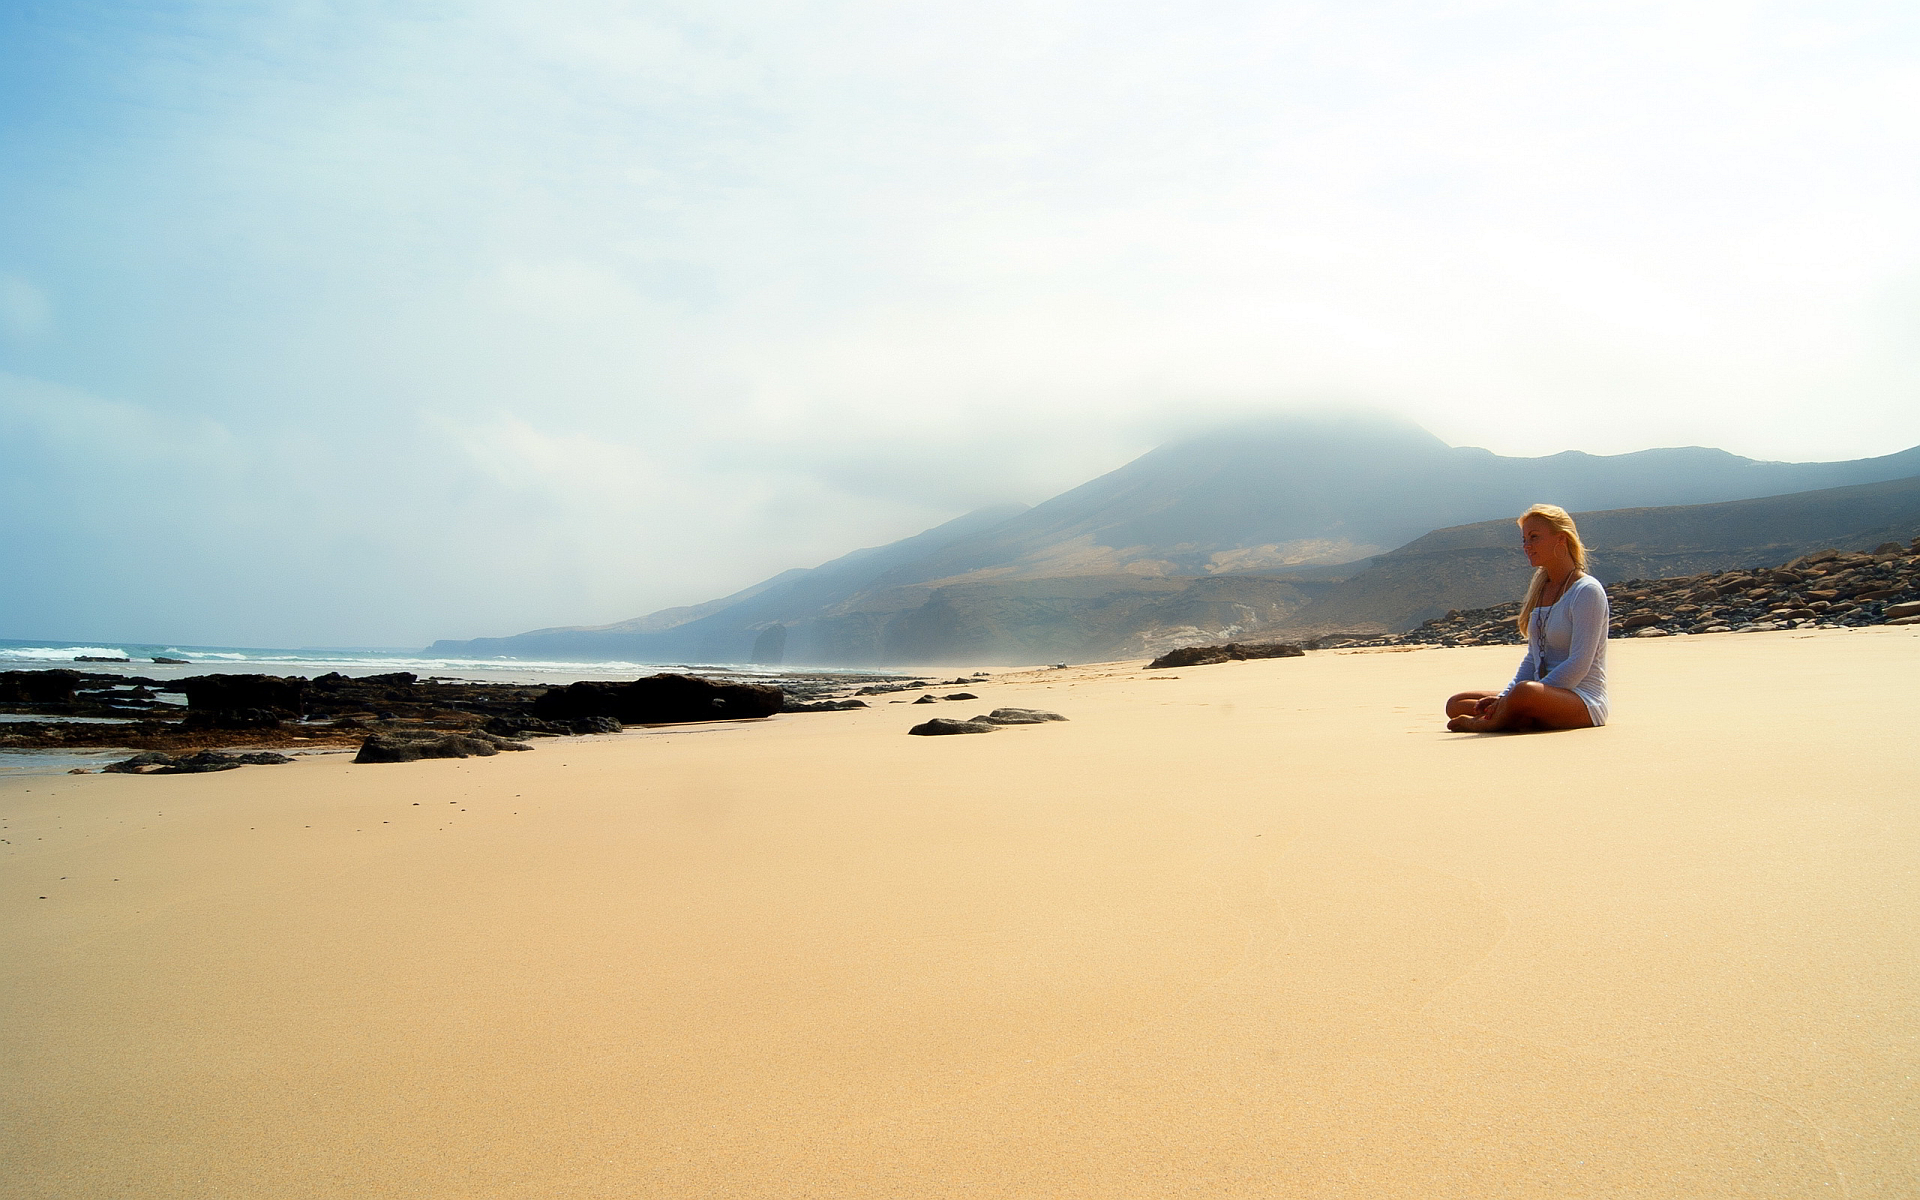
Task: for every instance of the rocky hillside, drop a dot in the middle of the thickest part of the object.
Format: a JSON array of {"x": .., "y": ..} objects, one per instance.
[
  {"x": 1470, "y": 567},
  {"x": 1827, "y": 589}
]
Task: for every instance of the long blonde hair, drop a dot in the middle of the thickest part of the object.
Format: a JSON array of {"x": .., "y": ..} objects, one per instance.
[{"x": 1557, "y": 517}]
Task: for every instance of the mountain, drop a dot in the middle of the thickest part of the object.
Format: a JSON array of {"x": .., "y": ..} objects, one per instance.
[
  {"x": 1330, "y": 488},
  {"x": 1474, "y": 566},
  {"x": 725, "y": 630},
  {"x": 1225, "y": 534}
]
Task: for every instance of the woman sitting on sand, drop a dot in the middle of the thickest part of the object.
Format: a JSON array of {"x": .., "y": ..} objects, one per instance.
[{"x": 1562, "y": 682}]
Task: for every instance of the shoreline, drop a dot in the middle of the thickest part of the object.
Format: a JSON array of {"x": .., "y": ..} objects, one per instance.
[{"x": 84, "y": 752}]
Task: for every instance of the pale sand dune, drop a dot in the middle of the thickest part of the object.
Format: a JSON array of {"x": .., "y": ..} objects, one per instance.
[{"x": 1262, "y": 930}]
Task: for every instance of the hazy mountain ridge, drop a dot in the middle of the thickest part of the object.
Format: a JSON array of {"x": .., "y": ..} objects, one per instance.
[
  {"x": 1472, "y": 566},
  {"x": 1138, "y": 559}
]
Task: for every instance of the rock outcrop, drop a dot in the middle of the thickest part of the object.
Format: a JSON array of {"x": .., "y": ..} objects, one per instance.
[
  {"x": 199, "y": 763},
  {"x": 1199, "y": 656},
  {"x": 38, "y": 687},
  {"x": 942, "y": 726},
  {"x": 1019, "y": 716},
  {"x": 270, "y": 694},
  {"x": 396, "y": 748},
  {"x": 660, "y": 700}
]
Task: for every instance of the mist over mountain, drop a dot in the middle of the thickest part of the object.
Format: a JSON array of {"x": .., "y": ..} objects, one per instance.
[{"x": 1237, "y": 530}]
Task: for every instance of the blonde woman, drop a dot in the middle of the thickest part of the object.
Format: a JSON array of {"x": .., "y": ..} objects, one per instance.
[{"x": 1562, "y": 682}]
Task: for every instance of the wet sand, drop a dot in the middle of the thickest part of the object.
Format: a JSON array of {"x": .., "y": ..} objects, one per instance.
[{"x": 1254, "y": 929}]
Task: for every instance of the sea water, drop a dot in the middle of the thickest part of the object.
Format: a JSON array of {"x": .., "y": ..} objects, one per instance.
[{"x": 18, "y": 655}]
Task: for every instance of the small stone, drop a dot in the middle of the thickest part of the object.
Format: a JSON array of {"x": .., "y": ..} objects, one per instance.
[{"x": 1652, "y": 631}]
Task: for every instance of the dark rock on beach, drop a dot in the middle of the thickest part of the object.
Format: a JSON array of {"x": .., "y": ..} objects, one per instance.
[
  {"x": 580, "y": 726},
  {"x": 794, "y": 706},
  {"x": 1019, "y": 716},
  {"x": 267, "y": 694},
  {"x": 231, "y": 718},
  {"x": 1200, "y": 656},
  {"x": 941, "y": 726},
  {"x": 512, "y": 727},
  {"x": 38, "y": 687},
  {"x": 881, "y": 689},
  {"x": 198, "y": 763},
  {"x": 395, "y": 748},
  {"x": 660, "y": 700}
]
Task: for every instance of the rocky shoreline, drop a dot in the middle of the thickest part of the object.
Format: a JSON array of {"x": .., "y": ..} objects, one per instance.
[{"x": 399, "y": 715}]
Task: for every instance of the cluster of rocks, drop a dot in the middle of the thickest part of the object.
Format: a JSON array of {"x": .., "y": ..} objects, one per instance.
[
  {"x": 395, "y": 717},
  {"x": 987, "y": 723},
  {"x": 803, "y": 706},
  {"x": 1200, "y": 656},
  {"x": 1826, "y": 589},
  {"x": 882, "y": 689}
]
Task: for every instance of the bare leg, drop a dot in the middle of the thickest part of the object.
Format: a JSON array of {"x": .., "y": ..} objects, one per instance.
[
  {"x": 1467, "y": 704},
  {"x": 1528, "y": 706}
]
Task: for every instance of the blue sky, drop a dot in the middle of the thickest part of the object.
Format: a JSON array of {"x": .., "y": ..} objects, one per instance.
[{"x": 363, "y": 323}]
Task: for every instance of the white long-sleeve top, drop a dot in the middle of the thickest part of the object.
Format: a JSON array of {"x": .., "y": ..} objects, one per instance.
[{"x": 1567, "y": 645}]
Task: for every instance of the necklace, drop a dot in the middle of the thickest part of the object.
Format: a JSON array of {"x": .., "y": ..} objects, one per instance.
[{"x": 1558, "y": 591}]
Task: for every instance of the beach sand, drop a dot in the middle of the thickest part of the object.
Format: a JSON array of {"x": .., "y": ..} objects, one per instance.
[{"x": 1255, "y": 929}]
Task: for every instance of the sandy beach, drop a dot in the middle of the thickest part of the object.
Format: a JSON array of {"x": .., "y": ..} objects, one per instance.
[{"x": 1253, "y": 929}]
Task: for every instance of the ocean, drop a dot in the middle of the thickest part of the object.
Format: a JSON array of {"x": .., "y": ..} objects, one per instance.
[{"x": 18, "y": 655}]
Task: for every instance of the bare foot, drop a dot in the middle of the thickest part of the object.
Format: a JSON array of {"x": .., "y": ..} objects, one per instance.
[{"x": 1469, "y": 725}]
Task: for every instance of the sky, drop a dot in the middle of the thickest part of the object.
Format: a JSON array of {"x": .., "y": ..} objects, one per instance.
[{"x": 363, "y": 323}]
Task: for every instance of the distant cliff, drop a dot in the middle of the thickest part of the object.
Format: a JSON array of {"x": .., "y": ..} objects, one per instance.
[{"x": 1238, "y": 531}]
